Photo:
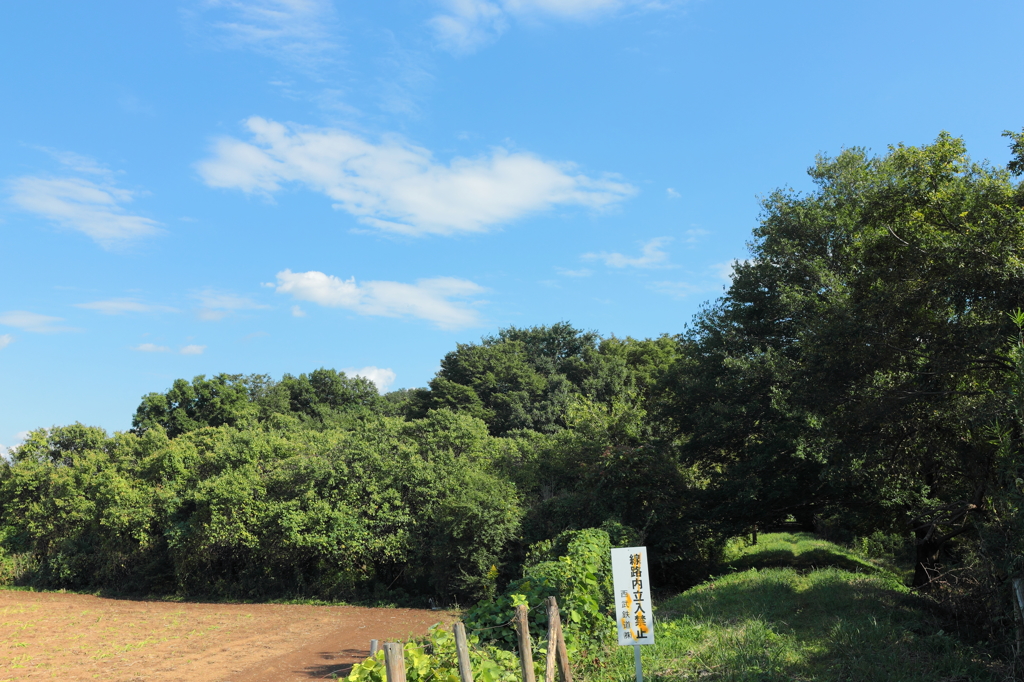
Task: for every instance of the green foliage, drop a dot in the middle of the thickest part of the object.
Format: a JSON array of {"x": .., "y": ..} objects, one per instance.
[
  {"x": 434, "y": 658},
  {"x": 580, "y": 578},
  {"x": 258, "y": 512},
  {"x": 852, "y": 366}
]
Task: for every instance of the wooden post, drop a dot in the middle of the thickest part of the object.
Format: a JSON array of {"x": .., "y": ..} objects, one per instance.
[
  {"x": 563, "y": 655},
  {"x": 525, "y": 651},
  {"x": 374, "y": 647},
  {"x": 556, "y": 645},
  {"x": 549, "y": 664},
  {"x": 394, "y": 661},
  {"x": 462, "y": 651}
]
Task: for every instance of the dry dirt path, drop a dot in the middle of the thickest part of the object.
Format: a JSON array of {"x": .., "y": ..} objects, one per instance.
[{"x": 52, "y": 635}]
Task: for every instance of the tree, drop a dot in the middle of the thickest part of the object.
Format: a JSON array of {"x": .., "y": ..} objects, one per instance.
[{"x": 857, "y": 350}]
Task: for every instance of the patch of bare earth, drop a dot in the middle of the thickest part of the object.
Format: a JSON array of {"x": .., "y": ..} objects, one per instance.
[{"x": 81, "y": 637}]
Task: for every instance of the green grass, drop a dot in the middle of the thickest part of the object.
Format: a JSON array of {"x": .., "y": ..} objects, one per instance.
[{"x": 796, "y": 608}]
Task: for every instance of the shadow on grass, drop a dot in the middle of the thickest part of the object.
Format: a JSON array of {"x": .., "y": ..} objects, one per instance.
[
  {"x": 799, "y": 551},
  {"x": 779, "y": 624},
  {"x": 802, "y": 562}
]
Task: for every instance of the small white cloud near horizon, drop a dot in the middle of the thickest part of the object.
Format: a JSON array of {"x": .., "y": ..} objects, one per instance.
[
  {"x": 120, "y": 306},
  {"x": 19, "y": 438},
  {"x": 216, "y": 305},
  {"x": 5, "y": 340},
  {"x": 440, "y": 300},
  {"x": 721, "y": 275},
  {"x": 470, "y": 24},
  {"x": 652, "y": 256},
  {"x": 94, "y": 207},
  {"x": 33, "y": 322},
  {"x": 192, "y": 349},
  {"x": 151, "y": 348},
  {"x": 382, "y": 377},
  {"x": 398, "y": 187}
]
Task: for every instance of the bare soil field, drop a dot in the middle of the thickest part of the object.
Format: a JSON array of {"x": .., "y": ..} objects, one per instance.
[{"x": 49, "y": 635}]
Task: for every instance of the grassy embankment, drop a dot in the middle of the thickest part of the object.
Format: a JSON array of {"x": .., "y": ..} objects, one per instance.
[{"x": 796, "y": 608}]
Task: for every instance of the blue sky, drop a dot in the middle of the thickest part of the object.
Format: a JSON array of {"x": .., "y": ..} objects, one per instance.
[{"x": 274, "y": 186}]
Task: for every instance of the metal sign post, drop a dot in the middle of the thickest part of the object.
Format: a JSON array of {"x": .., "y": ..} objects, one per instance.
[{"x": 633, "y": 600}]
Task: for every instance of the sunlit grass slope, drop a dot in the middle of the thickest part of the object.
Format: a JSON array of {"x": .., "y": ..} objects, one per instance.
[{"x": 797, "y": 608}]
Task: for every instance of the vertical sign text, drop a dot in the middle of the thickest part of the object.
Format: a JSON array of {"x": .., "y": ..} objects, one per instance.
[{"x": 632, "y": 595}]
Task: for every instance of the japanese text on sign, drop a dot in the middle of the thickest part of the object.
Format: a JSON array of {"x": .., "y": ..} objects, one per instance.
[{"x": 632, "y": 595}]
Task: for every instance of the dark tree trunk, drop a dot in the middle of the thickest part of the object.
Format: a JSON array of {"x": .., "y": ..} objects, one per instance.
[{"x": 928, "y": 544}]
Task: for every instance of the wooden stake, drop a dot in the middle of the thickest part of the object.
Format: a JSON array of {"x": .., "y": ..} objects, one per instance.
[
  {"x": 462, "y": 651},
  {"x": 525, "y": 651},
  {"x": 374, "y": 647},
  {"x": 563, "y": 653},
  {"x": 556, "y": 645},
  {"x": 549, "y": 667},
  {"x": 394, "y": 661}
]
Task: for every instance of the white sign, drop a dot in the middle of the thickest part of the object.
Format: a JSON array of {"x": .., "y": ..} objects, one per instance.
[{"x": 632, "y": 596}]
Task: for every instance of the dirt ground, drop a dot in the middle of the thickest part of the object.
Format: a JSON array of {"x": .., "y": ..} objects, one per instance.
[{"x": 81, "y": 637}]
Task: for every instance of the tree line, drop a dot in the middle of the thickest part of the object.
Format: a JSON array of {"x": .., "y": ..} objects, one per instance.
[{"x": 862, "y": 376}]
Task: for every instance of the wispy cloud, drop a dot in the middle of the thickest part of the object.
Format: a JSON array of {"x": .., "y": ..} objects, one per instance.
[
  {"x": 672, "y": 194},
  {"x": 33, "y": 322},
  {"x": 120, "y": 306},
  {"x": 714, "y": 279},
  {"x": 216, "y": 305},
  {"x": 582, "y": 272},
  {"x": 382, "y": 377},
  {"x": 151, "y": 348},
  {"x": 93, "y": 206},
  {"x": 5, "y": 340},
  {"x": 298, "y": 33},
  {"x": 652, "y": 256},
  {"x": 467, "y": 25},
  {"x": 441, "y": 300},
  {"x": 191, "y": 349},
  {"x": 398, "y": 187},
  {"x": 695, "y": 235}
]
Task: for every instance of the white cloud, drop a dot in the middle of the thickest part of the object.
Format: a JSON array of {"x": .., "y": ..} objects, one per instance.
[
  {"x": 192, "y": 349},
  {"x": 94, "y": 208},
  {"x": 695, "y": 235},
  {"x": 718, "y": 275},
  {"x": 672, "y": 194},
  {"x": 397, "y": 187},
  {"x": 151, "y": 348},
  {"x": 382, "y": 377},
  {"x": 19, "y": 438},
  {"x": 436, "y": 300},
  {"x": 298, "y": 312},
  {"x": 652, "y": 256},
  {"x": 119, "y": 306},
  {"x": 297, "y": 32},
  {"x": 216, "y": 305},
  {"x": 78, "y": 162},
  {"x": 582, "y": 272},
  {"x": 470, "y": 24},
  {"x": 5, "y": 340},
  {"x": 33, "y": 322}
]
